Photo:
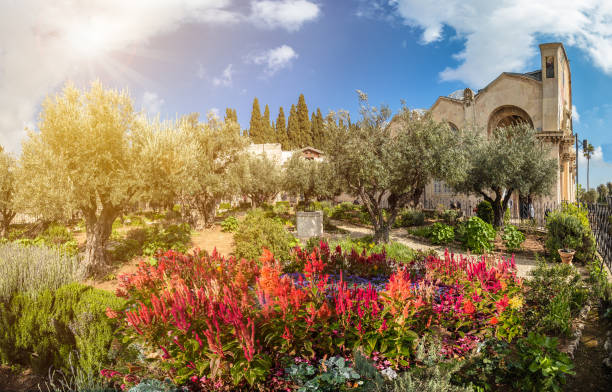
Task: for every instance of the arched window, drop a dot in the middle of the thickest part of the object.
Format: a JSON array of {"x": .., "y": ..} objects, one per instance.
[
  {"x": 508, "y": 115},
  {"x": 452, "y": 126}
]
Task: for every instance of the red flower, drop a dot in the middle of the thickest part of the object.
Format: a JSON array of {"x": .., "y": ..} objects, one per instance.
[{"x": 502, "y": 304}]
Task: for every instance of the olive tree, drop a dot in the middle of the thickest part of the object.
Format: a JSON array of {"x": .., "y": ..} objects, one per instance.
[
  {"x": 7, "y": 191},
  {"x": 386, "y": 163},
  {"x": 167, "y": 156},
  {"x": 308, "y": 178},
  {"x": 88, "y": 156},
  {"x": 510, "y": 159},
  {"x": 215, "y": 174},
  {"x": 261, "y": 179}
]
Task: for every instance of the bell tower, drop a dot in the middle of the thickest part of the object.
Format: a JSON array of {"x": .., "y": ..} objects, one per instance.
[{"x": 557, "y": 126}]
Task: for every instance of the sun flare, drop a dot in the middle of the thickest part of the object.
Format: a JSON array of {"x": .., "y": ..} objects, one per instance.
[{"x": 89, "y": 39}]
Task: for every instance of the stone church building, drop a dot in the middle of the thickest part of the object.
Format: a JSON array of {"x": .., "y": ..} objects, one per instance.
[{"x": 541, "y": 98}]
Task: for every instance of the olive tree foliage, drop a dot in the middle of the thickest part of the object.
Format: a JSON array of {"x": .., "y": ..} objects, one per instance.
[
  {"x": 7, "y": 191},
  {"x": 90, "y": 155},
  {"x": 309, "y": 178},
  {"x": 510, "y": 159},
  {"x": 166, "y": 157},
  {"x": 387, "y": 163},
  {"x": 261, "y": 179},
  {"x": 216, "y": 173}
]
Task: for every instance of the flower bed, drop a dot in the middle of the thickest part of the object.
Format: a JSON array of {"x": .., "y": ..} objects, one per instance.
[{"x": 220, "y": 322}]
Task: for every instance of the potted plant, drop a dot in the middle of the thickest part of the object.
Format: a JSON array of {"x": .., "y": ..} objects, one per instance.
[{"x": 566, "y": 253}]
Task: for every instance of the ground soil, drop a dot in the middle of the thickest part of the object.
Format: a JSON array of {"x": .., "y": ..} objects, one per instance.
[
  {"x": 591, "y": 374},
  {"x": 12, "y": 380},
  {"x": 207, "y": 240},
  {"x": 214, "y": 238}
]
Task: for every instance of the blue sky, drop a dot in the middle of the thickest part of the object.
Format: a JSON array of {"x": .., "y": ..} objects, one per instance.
[{"x": 183, "y": 56}]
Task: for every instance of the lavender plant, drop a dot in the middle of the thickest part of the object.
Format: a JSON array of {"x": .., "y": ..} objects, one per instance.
[{"x": 28, "y": 269}]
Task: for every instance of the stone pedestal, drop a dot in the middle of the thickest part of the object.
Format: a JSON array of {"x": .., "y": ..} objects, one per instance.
[{"x": 309, "y": 224}]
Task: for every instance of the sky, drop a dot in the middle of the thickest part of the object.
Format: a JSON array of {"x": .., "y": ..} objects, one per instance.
[{"x": 181, "y": 56}]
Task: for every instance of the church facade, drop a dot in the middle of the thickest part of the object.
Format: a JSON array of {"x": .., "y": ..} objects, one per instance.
[{"x": 542, "y": 99}]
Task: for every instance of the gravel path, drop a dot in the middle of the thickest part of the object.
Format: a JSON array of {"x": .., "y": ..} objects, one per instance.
[{"x": 524, "y": 264}]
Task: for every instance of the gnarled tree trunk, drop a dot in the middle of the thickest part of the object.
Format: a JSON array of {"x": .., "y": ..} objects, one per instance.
[
  {"x": 207, "y": 208},
  {"x": 98, "y": 230},
  {"x": 5, "y": 222}
]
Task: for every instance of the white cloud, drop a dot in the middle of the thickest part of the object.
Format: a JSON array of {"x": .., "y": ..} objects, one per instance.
[
  {"x": 287, "y": 14},
  {"x": 44, "y": 43},
  {"x": 226, "y": 77},
  {"x": 575, "y": 114},
  {"x": 502, "y": 35},
  {"x": 151, "y": 102},
  {"x": 596, "y": 157},
  {"x": 274, "y": 59}
]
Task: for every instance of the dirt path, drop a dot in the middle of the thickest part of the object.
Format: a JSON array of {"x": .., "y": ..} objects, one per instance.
[
  {"x": 591, "y": 374},
  {"x": 209, "y": 239},
  {"x": 524, "y": 264}
]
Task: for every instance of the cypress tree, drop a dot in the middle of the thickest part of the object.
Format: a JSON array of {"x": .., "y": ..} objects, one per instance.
[
  {"x": 320, "y": 129},
  {"x": 267, "y": 127},
  {"x": 305, "y": 137},
  {"x": 230, "y": 115},
  {"x": 313, "y": 130},
  {"x": 255, "y": 128},
  {"x": 281, "y": 130},
  {"x": 293, "y": 129}
]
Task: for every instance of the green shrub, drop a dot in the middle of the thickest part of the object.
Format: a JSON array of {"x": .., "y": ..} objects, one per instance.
[
  {"x": 450, "y": 216},
  {"x": 56, "y": 234},
  {"x": 29, "y": 269},
  {"x": 225, "y": 206},
  {"x": 147, "y": 241},
  {"x": 570, "y": 228},
  {"x": 133, "y": 220},
  {"x": 229, "y": 224},
  {"x": 54, "y": 326},
  {"x": 344, "y": 210},
  {"x": 540, "y": 366},
  {"x": 281, "y": 208},
  {"x": 533, "y": 364},
  {"x": 484, "y": 211},
  {"x": 512, "y": 238},
  {"x": 479, "y": 235},
  {"x": 441, "y": 233},
  {"x": 429, "y": 372},
  {"x": 424, "y": 231},
  {"x": 257, "y": 231},
  {"x": 556, "y": 295},
  {"x": 408, "y": 218}
]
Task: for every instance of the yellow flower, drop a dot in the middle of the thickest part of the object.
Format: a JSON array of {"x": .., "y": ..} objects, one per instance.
[{"x": 516, "y": 302}]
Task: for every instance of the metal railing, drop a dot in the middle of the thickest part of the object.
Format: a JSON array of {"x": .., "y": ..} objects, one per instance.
[
  {"x": 600, "y": 216},
  {"x": 519, "y": 214}
]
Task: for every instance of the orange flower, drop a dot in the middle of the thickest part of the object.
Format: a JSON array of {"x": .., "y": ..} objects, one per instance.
[
  {"x": 266, "y": 256},
  {"x": 493, "y": 321},
  {"x": 468, "y": 307},
  {"x": 110, "y": 313}
]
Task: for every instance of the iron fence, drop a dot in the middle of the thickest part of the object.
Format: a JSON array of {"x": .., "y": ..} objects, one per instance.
[
  {"x": 600, "y": 217},
  {"x": 520, "y": 214}
]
